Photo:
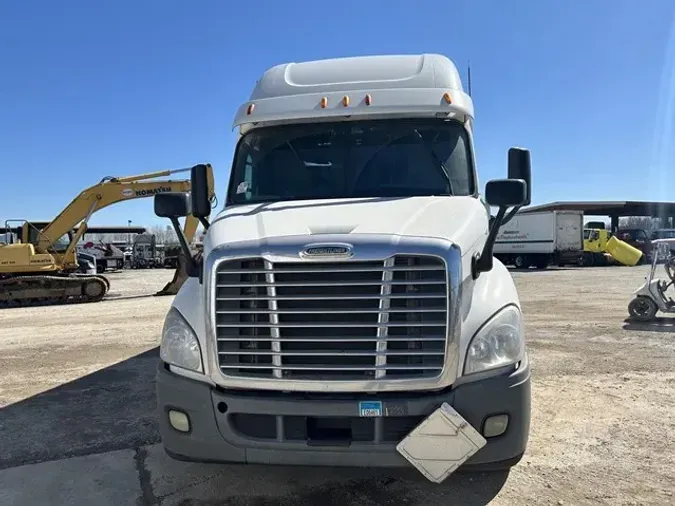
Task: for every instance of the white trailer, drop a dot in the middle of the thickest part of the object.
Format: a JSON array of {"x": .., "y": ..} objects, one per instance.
[
  {"x": 541, "y": 239},
  {"x": 347, "y": 308}
]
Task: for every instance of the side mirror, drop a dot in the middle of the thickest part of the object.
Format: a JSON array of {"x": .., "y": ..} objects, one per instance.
[
  {"x": 520, "y": 167},
  {"x": 201, "y": 203},
  {"x": 514, "y": 192},
  {"x": 172, "y": 205},
  {"x": 506, "y": 192}
]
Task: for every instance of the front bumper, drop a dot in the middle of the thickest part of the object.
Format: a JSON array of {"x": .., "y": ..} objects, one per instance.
[{"x": 281, "y": 428}]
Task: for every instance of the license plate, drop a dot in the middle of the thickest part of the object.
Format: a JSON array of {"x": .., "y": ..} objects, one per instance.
[{"x": 370, "y": 408}]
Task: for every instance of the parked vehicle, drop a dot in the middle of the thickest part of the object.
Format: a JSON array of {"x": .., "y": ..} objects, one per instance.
[
  {"x": 7, "y": 238},
  {"x": 541, "y": 239},
  {"x": 638, "y": 238},
  {"x": 146, "y": 253},
  {"x": 171, "y": 254},
  {"x": 656, "y": 294},
  {"x": 664, "y": 233},
  {"x": 108, "y": 256},
  {"x": 348, "y": 302}
]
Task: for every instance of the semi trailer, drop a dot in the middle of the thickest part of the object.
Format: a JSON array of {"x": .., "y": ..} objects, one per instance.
[
  {"x": 346, "y": 308},
  {"x": 541, "y": 239}
]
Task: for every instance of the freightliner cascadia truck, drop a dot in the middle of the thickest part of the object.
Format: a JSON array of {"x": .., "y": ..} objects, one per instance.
[{"x": 346, "y": 309}]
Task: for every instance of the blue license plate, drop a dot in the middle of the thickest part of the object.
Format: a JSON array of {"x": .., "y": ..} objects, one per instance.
[{"x": 370, "y": 408}]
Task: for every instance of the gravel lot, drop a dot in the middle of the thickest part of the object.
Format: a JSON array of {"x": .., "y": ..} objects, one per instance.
[{"x": 77, "y": 424}]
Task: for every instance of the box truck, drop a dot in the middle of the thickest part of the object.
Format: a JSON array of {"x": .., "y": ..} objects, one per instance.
[
  {"x": 347, "y": 308},
  {"x": 541, "y": 239}
]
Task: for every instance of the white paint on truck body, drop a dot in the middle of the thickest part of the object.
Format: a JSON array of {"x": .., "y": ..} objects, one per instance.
[
  {"x": 541, "y": 233},
  {"x": 399, "y": 85},
  {"x": 264, "y": 225},
  {"x": 461, "y": 220}
]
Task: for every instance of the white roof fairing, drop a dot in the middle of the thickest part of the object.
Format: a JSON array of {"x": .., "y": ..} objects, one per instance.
[{"x": 403, "y": 85}]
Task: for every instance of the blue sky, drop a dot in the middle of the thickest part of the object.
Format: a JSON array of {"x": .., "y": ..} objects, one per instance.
[{"x": 93, "y": 89}]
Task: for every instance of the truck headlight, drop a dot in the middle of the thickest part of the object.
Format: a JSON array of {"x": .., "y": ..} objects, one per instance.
[
  {"x": 180, "y": 346},
  {"x": 498, "y": 343}
]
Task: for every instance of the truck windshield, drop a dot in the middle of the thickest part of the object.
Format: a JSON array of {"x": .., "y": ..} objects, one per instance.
[{"x": 393, "y": 158}]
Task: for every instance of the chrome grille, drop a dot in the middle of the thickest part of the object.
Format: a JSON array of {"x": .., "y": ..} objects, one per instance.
[{"x": 350, "y": 320}]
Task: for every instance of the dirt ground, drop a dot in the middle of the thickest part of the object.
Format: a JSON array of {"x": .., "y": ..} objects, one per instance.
[{"x": 77, "y": 424}]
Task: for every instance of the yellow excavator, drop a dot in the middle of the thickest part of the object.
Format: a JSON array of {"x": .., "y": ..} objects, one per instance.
[{"x": 39, "y": 266}]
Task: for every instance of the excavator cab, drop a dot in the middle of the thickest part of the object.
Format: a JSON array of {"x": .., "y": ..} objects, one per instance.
[
  {"x": 29, "y": 232},
  {"x": 20, "y": 255}
]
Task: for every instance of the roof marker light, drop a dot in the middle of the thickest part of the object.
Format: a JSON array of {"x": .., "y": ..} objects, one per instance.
[
  {"x": 369, "y": 99},
  {"x": 324, "y": 102},
  {"x": 345, "y": 100},
  {"x": 447, "y": 98},
  {"x": 250, "y": 109}
]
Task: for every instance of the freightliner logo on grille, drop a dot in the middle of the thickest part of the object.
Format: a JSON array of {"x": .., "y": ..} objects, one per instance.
[{"x": 327, "y": 251}]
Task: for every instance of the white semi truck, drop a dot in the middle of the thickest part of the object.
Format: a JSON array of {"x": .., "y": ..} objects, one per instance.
[
  {"x": 541, "y": 239},
  {"x": 347, "y": 308}
]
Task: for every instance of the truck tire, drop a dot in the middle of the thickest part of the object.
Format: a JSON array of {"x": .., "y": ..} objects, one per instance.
[
  {"x": 586, "y": 259},
  {"x": 600, "y": 260},
  {"x": 521, "y": 262},
  {"x": 541, "y": 262}
]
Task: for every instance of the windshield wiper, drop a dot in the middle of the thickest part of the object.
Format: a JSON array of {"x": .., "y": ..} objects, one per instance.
[{"x": 438, "y": 163}]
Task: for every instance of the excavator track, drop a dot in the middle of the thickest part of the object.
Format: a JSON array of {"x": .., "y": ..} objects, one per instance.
[{"x": 37, "y": 290}]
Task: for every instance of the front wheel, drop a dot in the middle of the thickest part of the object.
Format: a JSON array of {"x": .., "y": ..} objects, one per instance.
[{"x": 642, "y": 309}]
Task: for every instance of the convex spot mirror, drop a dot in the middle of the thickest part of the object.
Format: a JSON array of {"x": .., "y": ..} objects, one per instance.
[{"x": 172, "y": 205}]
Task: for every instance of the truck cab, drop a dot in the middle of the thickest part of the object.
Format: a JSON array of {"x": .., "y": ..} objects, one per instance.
[
  {"x": 637, "y": 238},
  {"x": 595, "y": 247},
  {"x": 347, "y": 303}
]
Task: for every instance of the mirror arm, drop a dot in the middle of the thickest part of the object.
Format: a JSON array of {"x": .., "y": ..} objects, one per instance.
[
  {"x": 205, "y": 222},
  {"x": 192, "y": 267},
  {"x": 510, "y": 216},
  {"x": 485, "y": 261}
]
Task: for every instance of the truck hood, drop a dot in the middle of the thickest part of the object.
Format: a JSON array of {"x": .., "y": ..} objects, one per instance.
[{"x": 462, "y": 220}]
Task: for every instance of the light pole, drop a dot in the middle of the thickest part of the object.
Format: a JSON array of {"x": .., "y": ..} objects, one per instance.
[{"x": 129, "y": 233}]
